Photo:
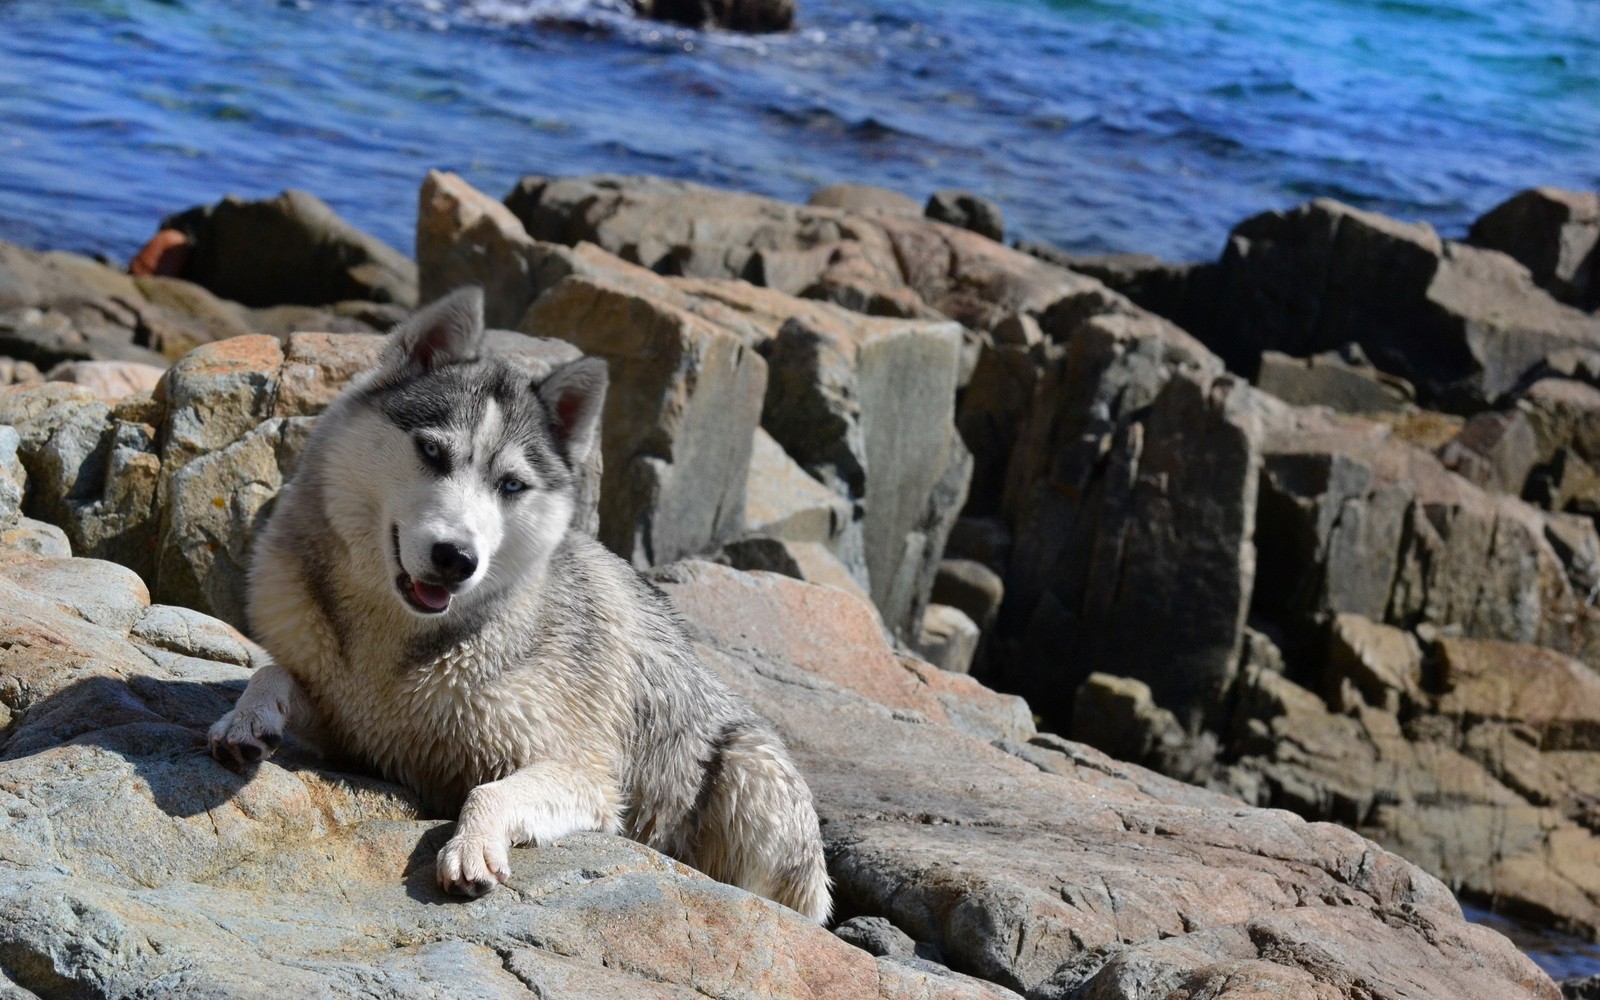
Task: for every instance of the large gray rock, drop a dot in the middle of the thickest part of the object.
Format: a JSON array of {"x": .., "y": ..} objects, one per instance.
[
  {"x": 1352, "y": 520},
  {"x": 867, "y": 407},
  {"x": 783, "y": 501},
  {"x": 1134, "y": 484},
  {"x": 1463, "y": 324},
  {"x": 1329, "y": 380},
  {"x": 13, "y": 475},
  {"x": 289, "y": 249},
  {"x": 863, "y": 405},
  {"x": 942, "y": 814},
  {"x": 680, "y": 414},
  {"x": 1555, "y": 234},
  {"x": 967, "y": 211},
  {"x": 464, "y": 237},
  {"x": 948, "y": 639}
]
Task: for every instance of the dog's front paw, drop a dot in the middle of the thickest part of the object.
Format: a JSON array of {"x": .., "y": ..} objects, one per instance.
[
  {"x": 471, "y": 865},
  {"x": 246, "y": 735}
]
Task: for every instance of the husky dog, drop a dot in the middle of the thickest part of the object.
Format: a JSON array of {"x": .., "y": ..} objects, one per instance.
[{"x": 430, "y": 611}]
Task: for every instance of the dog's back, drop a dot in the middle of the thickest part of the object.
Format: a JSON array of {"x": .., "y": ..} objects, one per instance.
[{"x": 560, "y": 691}]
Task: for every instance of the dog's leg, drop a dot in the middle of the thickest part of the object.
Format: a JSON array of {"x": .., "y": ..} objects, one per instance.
[
  {"x": 757, "y": 828},
  {"x": 254, "y": 728},
  {"x": 535, "y": 805}
]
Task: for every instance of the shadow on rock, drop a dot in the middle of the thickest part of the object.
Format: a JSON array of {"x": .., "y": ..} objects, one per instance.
[{"x": 158, "y": 726}]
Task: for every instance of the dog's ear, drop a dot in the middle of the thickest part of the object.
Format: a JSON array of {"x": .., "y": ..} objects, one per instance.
[
  {"x": 448, "y": 331},
  {"x": 574, "y": 395}
]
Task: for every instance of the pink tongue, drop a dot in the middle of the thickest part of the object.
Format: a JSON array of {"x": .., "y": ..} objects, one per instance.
[{"x": 430, "y": 596}]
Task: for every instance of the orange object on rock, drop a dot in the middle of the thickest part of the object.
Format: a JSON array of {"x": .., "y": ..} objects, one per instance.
[{"x": 167, "y": 254}]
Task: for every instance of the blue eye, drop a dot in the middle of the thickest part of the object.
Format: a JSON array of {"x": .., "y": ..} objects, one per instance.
[
  {"x": 510, "y": 485},
  {"x": 430, "y": 449}
]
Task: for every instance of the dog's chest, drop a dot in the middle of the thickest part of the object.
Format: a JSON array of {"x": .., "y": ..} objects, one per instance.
[{"x": 448, "y": 724}]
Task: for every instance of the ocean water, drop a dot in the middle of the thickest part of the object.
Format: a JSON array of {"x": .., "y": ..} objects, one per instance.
[
  {"x": 1099, "y": 125},
  {"x": 1562, "y": 956}
]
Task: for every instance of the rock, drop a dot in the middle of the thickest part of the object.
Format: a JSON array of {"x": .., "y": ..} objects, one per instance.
[
  {"x": 1495, "y": 450},
  {"x": 864, "y": 198},
  {"x": 680, "y": 415},
  {"x": 876, "y": 936},
  {"x": 57, "y": 307},
  {"x": 1117, "y": 715},
  {"x": 809, "y": 561},
  {"x": 1584, "y": 988},
  {"x": 985, "y": 540},
  {"x": 1018, "y": 330},
  {"x": 947, "y": 836},
  {"x": 1555, "y": 234},
  {"x": 24, "y": 534},
  {"x": 108, "y": 380},
  {"x": 13, "y": 475},
  {"x": 993, "y": 410},
  {"x": 1461, "y": 323},
  {"x": 948, "y": 638},
  {"x": 1577, "y": 544},
  {"x": 1158, "y": 585},
  {"x": 14, "y": 372},
  {"x": 971, "y": 586},
  {"x": 292, "y": 249},
  {"x": 836, "y": 639},
  {"x": 882, "y": 264},
  {"x": 1328, "y": 380},
  {"x": 166, "y": 253},
  {"x": 757, "y": 16},
  {"x": 1565, "y": 413},
  {"x": 783, "y": 501},
  {"x": 464, "y": 237},
  {"x": 1555, "y": 696},
  {"x": 966, "y": 210},
  {"x": 866, "y": 406},
  {"x": 1386, "y": 532},
  {"x": 1370, "y": 662},
  {"x": 1186, "y": 294}
]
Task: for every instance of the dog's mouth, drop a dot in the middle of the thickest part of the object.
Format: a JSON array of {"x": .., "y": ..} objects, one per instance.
[{"x": 424, "y": 598}]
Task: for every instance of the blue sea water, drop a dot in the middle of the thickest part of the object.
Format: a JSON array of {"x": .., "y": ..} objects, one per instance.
[{"x": 1128, "y": 125}]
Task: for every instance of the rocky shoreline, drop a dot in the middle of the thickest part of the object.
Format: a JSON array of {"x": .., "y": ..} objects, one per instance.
[{"x": 1310, "y": 527}]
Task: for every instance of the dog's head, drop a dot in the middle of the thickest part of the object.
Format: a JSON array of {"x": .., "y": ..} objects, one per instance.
[{"x": 461, "y": 469}]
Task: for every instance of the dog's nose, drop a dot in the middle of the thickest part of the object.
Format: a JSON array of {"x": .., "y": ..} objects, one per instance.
[{"x": 452, "y": 562}]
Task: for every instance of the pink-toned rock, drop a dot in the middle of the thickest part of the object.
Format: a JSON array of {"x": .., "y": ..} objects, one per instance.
[{"x": 109, "y": 380}]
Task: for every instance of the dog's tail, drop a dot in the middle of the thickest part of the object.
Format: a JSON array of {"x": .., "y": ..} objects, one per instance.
[{"x": 757, "y": 827}]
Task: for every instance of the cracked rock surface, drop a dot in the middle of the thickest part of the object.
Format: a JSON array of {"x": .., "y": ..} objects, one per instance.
[{"x": 133, "y": 865}]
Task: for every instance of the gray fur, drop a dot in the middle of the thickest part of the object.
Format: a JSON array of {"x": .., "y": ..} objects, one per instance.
[{"x": 555, "y": 690}]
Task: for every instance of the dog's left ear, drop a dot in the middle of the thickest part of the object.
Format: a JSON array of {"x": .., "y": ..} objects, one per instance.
[
  {"x": 574, "y": 395},
  {"x": 446, "y": 332}
]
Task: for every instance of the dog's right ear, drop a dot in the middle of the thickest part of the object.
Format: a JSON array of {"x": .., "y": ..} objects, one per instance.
[
  {"x": 573, "y": 395},
  {"x": 446, "y": 332}
]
